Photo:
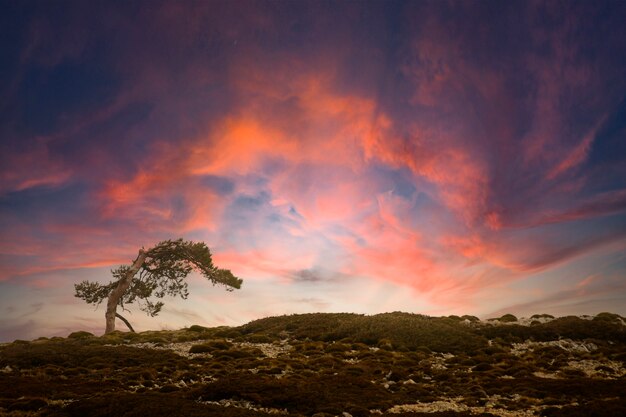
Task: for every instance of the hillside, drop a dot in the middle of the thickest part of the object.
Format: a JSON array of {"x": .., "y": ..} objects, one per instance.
[{"x": 394, "y": 364}]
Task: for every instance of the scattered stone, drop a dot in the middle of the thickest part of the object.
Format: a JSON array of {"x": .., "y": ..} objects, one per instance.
[
  {"x": 456, "y": 405},
  {"x": 546, "y": 375},
  {"x": 271, "y": 350},
  {"x": 598, "y": 369},
  {"x": 433, "y": 407},
  {"x": 567, "y": 345},
  {"x": 61, "y": 403},
  {"x": 248, "y": 405}
]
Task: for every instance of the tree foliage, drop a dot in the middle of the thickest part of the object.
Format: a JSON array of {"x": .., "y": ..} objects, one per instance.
[{"x": 162, "y": 273}]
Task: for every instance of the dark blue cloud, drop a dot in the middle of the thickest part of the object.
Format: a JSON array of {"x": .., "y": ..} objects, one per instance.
[
  {"x": 607, "y": 158},
  {"x": 220, "y": 185},
  {"x": 48, "y": 94},
  {"x": 44, "y": 204}
]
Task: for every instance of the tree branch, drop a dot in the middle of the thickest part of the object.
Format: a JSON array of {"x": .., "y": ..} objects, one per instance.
[{"x": 119, "y": 316}]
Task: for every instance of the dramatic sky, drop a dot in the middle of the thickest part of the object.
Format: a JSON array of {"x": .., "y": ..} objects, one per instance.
[{"x": 431, "y": 157}]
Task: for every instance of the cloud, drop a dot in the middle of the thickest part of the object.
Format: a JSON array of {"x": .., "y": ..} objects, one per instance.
[
  {"x": 594, "y": 294},
  {"x": 431, "y": 148},
  {"x": 12, "y": 331},
  {"x": 550, "y": 255},
  {"x": 307, "y": 275},
  {"x": 587, "y": 208},
  {"x": 315, "y": 303}
]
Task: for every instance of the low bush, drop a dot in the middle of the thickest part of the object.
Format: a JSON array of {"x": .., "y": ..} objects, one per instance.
[
  {"x": 542, "y": 316},
  {"x": 80, "y": 335},
  {"x": 608, "y": 317},
  {"x": 257, "y": 338},
  {"x": 508, "y": 318},
  {"x": 349, "y": 363},
  {"x": 197, "y": 328}
]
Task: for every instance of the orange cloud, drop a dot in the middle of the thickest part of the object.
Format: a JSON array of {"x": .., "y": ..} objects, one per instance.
[{"x": 461, "y": 179}]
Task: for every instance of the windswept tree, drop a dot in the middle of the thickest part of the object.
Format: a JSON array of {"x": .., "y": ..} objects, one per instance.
[{"x": 155, "y": 273}]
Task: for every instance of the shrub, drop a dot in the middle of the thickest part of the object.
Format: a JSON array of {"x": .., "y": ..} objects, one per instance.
[
  {"x": 200, "y": 348},
  {"x": 197, "y": 328},
  {"x": 238, "y": 353},
  {"x": 354, "y": 370},
  {"x": 542, "y": 316},
  {"x": 482, "y": 367},
  {"x": 508, "y": 318},
  {"x": 385, "y": 344},
  {"x": 213, "y": 345},
  {"x": 80, "y": 335},
  {"x": 337, "y": 347},
  {"x": 311, "y": 346},
  {"x": 27, "y": 404},
  {"x": 169, "y": 388},
  {"x": 258, "y": 338},
  {"x": 401, "y": 329},
  {"x": 572, "y": 373},
  {"x": 422, "y": 349},
  {"x": 220, "y": 344},
  {"x": 156, "y": 340},
  {"x": 608, "y": 317},
  {"x": 228, "y": 332}
]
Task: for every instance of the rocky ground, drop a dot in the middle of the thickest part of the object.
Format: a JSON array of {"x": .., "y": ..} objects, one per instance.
[{"x": 344, "y": 365}]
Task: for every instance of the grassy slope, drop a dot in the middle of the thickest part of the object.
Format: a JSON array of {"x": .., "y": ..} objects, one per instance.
[{"x": 322, "y": 363}]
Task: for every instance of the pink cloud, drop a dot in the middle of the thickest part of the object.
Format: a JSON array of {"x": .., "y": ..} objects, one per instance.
[
  {"x": 32, "y": 168},
  {"x": 577, "y": 154}
]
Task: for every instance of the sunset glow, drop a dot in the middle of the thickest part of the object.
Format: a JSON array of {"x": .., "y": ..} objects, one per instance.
[{"x": 429, "y": 157}]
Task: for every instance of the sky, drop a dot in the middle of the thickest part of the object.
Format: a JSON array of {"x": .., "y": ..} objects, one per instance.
[{"x": 431, "y": 157}]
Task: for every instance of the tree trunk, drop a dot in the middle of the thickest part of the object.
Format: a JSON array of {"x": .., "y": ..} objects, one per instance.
[{"x": 118, "y": 292}]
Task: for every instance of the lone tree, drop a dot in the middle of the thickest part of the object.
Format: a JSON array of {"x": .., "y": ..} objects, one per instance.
[{"x": 162, "y": 271}]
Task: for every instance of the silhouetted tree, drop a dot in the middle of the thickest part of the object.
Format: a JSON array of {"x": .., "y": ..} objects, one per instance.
[{"x": 156, "y": 272}]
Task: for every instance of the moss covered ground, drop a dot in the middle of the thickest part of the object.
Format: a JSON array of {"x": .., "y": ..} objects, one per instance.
[{"x": 394, "y": 364}]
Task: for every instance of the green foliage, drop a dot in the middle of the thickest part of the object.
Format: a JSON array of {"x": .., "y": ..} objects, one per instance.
[
  {"x": 93, "y": 292},
  {"x": 163, "y": 272}
]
